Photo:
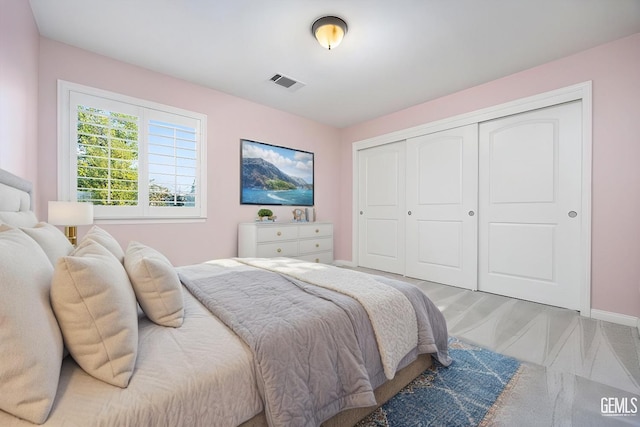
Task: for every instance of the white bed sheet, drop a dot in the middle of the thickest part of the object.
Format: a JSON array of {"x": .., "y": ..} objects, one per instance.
[{"x": 200, "y": 374}]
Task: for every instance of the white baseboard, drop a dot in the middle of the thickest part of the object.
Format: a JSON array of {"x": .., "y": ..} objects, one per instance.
[
  {"x": 607, "y": 316},
  {"x": 621, "y": 319},
  {"x": 343, "y": 263}
]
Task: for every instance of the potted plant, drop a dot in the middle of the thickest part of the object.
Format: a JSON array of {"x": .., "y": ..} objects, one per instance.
[{"x": 265, "y": 214}]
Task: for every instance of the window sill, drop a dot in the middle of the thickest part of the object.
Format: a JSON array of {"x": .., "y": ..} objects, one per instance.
[{"x": 148, "y": 220}]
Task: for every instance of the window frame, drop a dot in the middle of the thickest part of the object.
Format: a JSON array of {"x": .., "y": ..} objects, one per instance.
[{"x": 146, "y": 111}]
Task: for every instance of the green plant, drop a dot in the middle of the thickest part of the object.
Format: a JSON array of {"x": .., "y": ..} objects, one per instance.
[{"x": 265, "y": 212}]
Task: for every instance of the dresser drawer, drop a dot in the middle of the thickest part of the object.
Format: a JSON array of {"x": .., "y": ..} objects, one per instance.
[
  {"x": 322, "y": 257},
  {"x": 311, "y": 241},
  {"x": 275, "y": 233},
  {"x": 316, "y": 230},
  {"x": 270, "y": 250},
  {"x": 315, "y": 245}
]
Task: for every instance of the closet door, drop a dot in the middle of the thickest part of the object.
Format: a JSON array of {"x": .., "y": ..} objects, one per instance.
[
  {"x": 442, "y": 189},
  {"x": 381, "y": 216},
  {"x": 530, "y": 199}
]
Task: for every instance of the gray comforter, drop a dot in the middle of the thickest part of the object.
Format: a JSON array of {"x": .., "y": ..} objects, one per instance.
[{"x": 315, "y": 350}]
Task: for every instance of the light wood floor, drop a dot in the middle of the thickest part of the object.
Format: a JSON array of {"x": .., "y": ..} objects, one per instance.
[{"x": 559, "y": 339}]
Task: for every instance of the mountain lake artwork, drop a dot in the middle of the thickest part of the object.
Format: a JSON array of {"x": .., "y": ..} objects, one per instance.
[{"x": 272, "y": 175}]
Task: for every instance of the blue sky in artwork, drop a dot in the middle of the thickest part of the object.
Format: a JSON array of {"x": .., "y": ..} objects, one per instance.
[{"x": 292, "y": 162}]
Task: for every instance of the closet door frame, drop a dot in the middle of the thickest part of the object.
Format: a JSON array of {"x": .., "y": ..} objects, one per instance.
[{"x": 581, "y": 91}]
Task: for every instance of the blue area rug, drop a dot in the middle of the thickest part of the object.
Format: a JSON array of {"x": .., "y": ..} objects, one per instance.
[{"x": 459, "y": 395}]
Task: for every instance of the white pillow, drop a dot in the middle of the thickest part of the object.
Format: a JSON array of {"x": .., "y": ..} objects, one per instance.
[
  {"x": 102, "y": 237},
  {"x": 95, "y": 305},
  {"x": 156, "y": 284},
  {"x": 52, "y": 241},
  {"x": 30, "y": 339}
]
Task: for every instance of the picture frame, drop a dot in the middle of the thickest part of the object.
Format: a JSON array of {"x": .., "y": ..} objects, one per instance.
[{"x": 275, "y": 175}]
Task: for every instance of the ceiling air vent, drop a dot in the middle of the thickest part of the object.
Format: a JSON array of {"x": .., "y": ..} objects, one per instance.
[{"x": 287, "y": 82}]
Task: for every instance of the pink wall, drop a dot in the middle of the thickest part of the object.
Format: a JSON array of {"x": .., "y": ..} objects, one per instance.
[
  {"x": 614, "y": 69},
  {"x": 229, "y": 119},
  {"x": 18, "y": 88},
  {"x": 28, "y": 79}
]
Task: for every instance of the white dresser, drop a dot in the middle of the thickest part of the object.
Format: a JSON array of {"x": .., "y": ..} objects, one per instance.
[{"x": 310, "y": 241}]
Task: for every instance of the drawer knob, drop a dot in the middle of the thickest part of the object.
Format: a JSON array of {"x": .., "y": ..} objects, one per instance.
[
  {"x": 317, "y": 245},
  {"x": 279, "y": 250},
  {"x": 317, "y": 231},
  {"x": 279, "y": 233},
  {"x": 317, "y": 259}
]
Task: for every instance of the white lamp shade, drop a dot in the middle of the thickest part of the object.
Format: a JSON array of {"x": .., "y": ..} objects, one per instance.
[{"x": 70, "y": 213}]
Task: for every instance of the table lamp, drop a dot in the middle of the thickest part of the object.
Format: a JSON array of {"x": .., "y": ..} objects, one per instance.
[{"x": 70, "y": 214}]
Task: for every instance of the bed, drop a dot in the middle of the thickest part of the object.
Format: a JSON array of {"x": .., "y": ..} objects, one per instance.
[{"x": 101, "y": 335}]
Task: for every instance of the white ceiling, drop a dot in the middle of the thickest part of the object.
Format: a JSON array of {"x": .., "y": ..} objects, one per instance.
[{"x": 397, "y": 53}]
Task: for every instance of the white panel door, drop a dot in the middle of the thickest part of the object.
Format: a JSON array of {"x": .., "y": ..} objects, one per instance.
[
  {"x": 442, "y": 191},
  {"x": 530, "y": 199},
  {"x": 381, "y": 219}
]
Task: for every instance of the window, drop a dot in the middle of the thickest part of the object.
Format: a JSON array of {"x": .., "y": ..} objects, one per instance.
[{"x": 133, "y": 159}]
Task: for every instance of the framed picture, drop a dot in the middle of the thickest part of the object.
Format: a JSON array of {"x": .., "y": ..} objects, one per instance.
[{"x": 273, "y": 175}]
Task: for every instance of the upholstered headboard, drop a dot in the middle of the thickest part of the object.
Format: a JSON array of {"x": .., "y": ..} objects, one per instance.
[{"x": 16, "y": 206}]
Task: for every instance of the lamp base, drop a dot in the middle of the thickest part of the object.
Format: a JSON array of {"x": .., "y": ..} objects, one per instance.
[{"x": 72, "y": 234}]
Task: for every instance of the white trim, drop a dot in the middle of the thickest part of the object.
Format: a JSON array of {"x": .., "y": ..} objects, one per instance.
[
  {"x": 620, "y": 319},
  {"x": 150, "y": 221},
  {"x": 587, "y": 159},
  {"x": 63, "y": 129},
  {"x": 581, "y": 91},
  {"x": 145, "y": 214},
  {"x": 343, "y": 263},
  {"x": 66, "y": 86}
]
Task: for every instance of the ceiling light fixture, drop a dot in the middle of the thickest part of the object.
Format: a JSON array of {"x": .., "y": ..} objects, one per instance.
[{"x": 329, "y": 31}]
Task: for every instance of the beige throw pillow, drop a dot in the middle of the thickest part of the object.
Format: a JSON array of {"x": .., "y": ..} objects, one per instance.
[
  {"x": 156, "y": 284},
  {"x": 96, "y": 308},
  {"x": 53, "y": 241},
  {"x": 30, "y": 339},
  {"x": 102, "y": 237}
]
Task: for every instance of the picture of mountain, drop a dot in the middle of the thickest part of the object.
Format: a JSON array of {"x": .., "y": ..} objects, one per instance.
[
  {"x": 258, "y": 173},
  {"x": 272, "y": 175}
]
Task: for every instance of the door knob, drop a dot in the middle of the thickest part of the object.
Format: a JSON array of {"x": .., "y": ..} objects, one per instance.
[
  {"x": 409, "y": 213},
  {"x": 361, "y": 212},
  {"x": 573, "y": 214},
  {"x": 471, "y": 213}
]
